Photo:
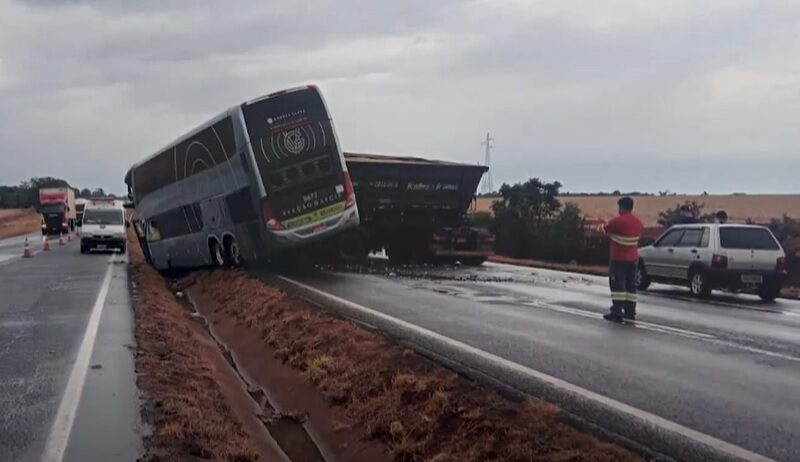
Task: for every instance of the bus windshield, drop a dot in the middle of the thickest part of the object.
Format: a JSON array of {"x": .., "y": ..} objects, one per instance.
[
  {"x": 297, "y": 156},
  {"x": 102, "y": 217}
]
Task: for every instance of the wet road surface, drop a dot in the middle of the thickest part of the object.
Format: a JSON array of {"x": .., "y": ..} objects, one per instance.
[
  {"x": 728, "y": 367},
  {"x": 46, "y": 307}
]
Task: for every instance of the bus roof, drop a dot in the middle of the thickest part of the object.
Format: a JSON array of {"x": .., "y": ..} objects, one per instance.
[
  {"x": 207, "y": 123},
  {"x": 178, "y": 140}
]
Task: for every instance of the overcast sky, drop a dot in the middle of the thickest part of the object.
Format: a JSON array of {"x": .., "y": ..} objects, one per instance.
[{"x": 683, "y": 95}]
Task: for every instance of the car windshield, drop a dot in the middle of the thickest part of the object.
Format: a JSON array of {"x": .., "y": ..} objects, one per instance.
[
  {"x": 102, "y": 217},
  {"x": 747, "y": 238}
]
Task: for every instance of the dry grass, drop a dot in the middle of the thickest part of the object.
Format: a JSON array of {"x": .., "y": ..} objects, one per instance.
[
  {"x": 16, "y": 222},
  {"x": 419, "y": 410},
  {"x": 191, "y": 417},
  {"x": 759, "y": 208}
]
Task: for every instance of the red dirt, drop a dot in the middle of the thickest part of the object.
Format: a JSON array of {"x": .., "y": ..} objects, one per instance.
[
  {"x": 17, "y": 222},
  {"x": 200, "y": 410},
  {"x": 288, "y": 390},
  {"x": 388, "y": 394}
]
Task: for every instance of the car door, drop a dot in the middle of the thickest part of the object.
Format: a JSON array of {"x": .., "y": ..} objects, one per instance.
[
  {"x": 660, "y": 260},
  {"x": 690, "y": 249}
]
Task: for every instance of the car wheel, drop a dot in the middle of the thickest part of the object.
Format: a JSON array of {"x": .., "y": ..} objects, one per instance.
[
  {"x": 84, "y": 249},
  {"x": 217, "y": 253},
  {"x": 769, "y": 292},
  {"x": 698, "y": 284},
  {"x": 642, "y": 279}
]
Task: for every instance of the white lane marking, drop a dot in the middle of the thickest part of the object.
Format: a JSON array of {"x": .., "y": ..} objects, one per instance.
[
  {"x": 652, "y": 419},
  {"x": 65, "y": 416},
  {"x": 668, "y": 330},
  {"x": 640, "y": 324},
  {"x": 575, "y": 277}
]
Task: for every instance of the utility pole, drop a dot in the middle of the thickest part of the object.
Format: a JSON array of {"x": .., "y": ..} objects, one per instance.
[{"x": 487, "y": 186}]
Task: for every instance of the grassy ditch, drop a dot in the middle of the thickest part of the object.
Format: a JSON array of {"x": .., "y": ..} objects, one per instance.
[{"x": 385, "y": 393}]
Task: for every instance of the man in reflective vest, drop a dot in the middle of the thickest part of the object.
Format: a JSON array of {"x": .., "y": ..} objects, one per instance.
[{"x": 623, "y": 233}]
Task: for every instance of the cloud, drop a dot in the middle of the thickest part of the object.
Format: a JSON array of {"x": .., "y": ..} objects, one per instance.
[{"x": 567, "y": 88}]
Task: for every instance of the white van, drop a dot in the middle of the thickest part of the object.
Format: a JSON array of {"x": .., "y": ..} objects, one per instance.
[{"x": 103, "y": 226}]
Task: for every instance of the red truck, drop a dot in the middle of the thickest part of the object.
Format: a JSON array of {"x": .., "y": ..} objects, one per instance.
[{"x": 57, "y": 206}]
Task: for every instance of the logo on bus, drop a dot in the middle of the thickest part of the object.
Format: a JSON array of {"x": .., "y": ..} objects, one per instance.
[{"x": 293, "y": 141}]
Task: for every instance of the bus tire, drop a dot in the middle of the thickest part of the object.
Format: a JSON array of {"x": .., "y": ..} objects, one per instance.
[
  {"x": 233, "y": 253},
  {"x": 217, "y": 253}
]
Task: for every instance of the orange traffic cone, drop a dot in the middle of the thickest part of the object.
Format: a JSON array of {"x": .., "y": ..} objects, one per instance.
[
  {"x": 46, "y": 245},
  {"x": 26, "y": 251},
  {"x": 61, "y": 239}
]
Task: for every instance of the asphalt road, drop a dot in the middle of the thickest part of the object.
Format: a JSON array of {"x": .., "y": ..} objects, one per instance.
[
  {"x": 728, "y": 367},
  {"x": 66, "y": 333}
]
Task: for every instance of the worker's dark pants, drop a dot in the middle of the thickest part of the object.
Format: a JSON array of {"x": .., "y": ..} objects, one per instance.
[{"x": 622, "y": 278}]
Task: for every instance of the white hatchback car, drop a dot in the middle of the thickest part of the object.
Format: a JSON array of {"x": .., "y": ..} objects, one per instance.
[{"x": 705, "y": 256}]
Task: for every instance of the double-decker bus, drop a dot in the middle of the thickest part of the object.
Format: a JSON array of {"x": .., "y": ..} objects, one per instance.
[{"x": 258, "y": 180}]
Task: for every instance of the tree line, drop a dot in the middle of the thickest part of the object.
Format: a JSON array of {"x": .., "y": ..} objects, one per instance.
[
  {"x": 529, "y": 221},
  {"x": 26, "y": 194}
]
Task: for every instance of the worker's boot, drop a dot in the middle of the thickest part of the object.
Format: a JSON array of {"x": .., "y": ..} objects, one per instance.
[
  {"x": 613, "y": 317},
  {"x": 615, "y": 312},
  {"x": 630, "y": 311}
]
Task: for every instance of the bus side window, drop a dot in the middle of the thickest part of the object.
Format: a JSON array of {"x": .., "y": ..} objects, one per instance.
[{"x": 152, "y": 231}]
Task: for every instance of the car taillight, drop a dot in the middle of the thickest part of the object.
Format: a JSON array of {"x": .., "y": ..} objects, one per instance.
[
  {"x": 349, "y": 194},
  {"x": 780, "y": 264},
  {"x": 719, "y": 261},
  {"x": 273, "y": 224}
]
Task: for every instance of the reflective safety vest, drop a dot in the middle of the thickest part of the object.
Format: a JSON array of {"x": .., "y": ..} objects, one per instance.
[{"x": 624, "y": 232}]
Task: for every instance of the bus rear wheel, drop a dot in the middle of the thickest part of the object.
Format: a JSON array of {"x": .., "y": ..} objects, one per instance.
[
  {"x": 233, "y": 254},
  {"x": 217, "y": 253}
]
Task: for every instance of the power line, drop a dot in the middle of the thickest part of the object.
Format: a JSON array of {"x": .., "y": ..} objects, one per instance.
[{"x": 486, "y": 184}]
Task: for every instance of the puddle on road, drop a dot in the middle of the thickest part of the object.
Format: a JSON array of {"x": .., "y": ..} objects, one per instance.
[{"x": 423, "y": 272}]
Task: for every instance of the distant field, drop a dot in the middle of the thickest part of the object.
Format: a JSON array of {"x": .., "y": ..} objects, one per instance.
[
  {"x": 5, "y": 213},
  {"x": 14, "y": 222},
  {"x": 759, "y": 208}
]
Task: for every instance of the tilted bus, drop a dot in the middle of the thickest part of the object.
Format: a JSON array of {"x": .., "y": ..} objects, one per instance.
[{"x": 259, "y": 179}]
